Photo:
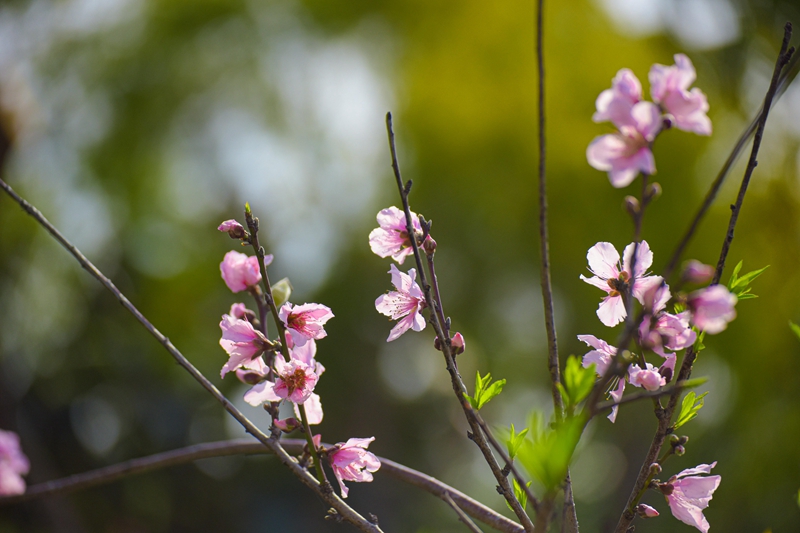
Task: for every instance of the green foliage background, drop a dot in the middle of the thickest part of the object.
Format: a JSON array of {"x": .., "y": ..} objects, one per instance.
[{"x": 141, "y": 124}]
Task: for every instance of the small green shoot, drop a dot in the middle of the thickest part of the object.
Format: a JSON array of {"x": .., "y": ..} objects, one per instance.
[
  {"x": 547, "y": 457},
  {"x": 689, "y": 407},
  {"x": 740, "y": 286},
  {"x": 514, "y": 441},
  {"x": 519, "y": 493},
  {"x": 577, "y": 382},
  {"x": 485, "y": 390}
]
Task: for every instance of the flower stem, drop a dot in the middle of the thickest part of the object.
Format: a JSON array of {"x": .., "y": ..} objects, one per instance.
[{"x": 312, "y": 449}]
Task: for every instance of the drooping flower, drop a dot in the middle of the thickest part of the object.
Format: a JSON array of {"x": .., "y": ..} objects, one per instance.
[
  {"x": 295, "y": 381},
  {"x": 242, "y": 342},
  {"x": 615, "y": 104},
  {"x": 233, "y": 228},
  {"x": 13, "y": 464},
  {"x": 648, "y": 378},
  {"x": 240, "y": 271},
  {"x": 712, "y": 308},
  {"x": 406, "y": 303},
  {"x": 602, "y": 355},
  {"x": 604, "y": 264},
  {"x": 391, "y": 238},
  {"x": 669, "y": 87},
  {"x": 305, "y": 322},
  {"x": 352, "y": 462},
  {"x": 688, "y": 494},
  {"x": 626, "y": 153}
]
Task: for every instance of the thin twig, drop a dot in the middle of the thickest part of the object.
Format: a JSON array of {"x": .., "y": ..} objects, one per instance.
[
  {"x": 665, "y": 415},
  {"x": 459, "y": 388},
  {"x": 461, "y": 514},
  {"x": 195, "y": 452},
  {"x": 663, "y": 391},
  {"x": 348, "y": 513}
]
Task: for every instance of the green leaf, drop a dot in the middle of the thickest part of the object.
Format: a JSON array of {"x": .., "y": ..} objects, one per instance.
[
  {"x": 795, "y": 328},
  {"x": 485, "y": 390},
  {"x": 547, "y": 457},
  {"x": 740, "y": 286},
  {"x": 519, "y": 492},
  {"x": 577, "y": 381},
  {"x": 689, "y": 407},
  {"x": 514, "y": 441}
]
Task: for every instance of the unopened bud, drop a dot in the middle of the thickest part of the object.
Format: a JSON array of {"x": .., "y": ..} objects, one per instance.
[
  {"x": 457, "y": 343},
  {"x": 249, "y": 377},
  {"x": 653, "y": 192},
  {"x": 655, "y": 469},
  {"x": 287, "y": 425},
  {"x": 437, "y": 344},
  {"x": 683, "y": 440},
  {"x": 645, "y": 511},
  {"x": 631, "y": 205},
  {"x": 234, "y": 229},
  {"x": 696, "y": 272},
  {"x": 666, "y": 372},
  {"x": 281, "y": 291},
  {"x": 429, "y": 246},
  {"x": 679, "y": 450},
  {"x": 674, "y": 440}
]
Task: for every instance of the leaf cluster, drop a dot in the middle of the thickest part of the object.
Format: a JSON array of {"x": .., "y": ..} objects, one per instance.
[{"x": 740, "y": 286}]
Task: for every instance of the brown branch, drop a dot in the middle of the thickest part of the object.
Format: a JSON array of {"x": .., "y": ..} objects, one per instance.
[
  {"x": 143, "y": 465},
  {"x": 462, "y": 516},
  {"x": 459, "y": 388},
  {"x": 665, "y": 415},
  {"x": 348, "y": 513}
]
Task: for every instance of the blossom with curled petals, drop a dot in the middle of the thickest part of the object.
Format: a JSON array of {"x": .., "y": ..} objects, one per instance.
[
  {"x": 688, "y": 494},
  {"x": 233, "y": 229},
  {"x": 240, "y": 271},
  {"x": 13, "y": 464},
  {"x": 669, "y": 88},
  {"x": 242, "y": 342},
  {"x": 305, "y": 322},
  {"x": 609, "y": 276},
  {"x": 602, "y": 355},
  {"x": 352, "y": 462},
  {"x": 391, "y": 238},
  {"x": 295, "y": 381},
  {"x": 648, "y": 378},
  {"x": 406, "y": 303},
  {"x": 615, "y": 104},
  {"x": 712, "y": 308}
]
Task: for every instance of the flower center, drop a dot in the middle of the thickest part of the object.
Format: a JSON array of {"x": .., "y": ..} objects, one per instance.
[{"x": 295, "y": 381}]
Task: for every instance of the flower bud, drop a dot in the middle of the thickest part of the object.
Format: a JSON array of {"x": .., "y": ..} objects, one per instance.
[
  {"x": 645, "y": 511},
  {"x": 457, "y": 343},
  {"x": 653, "y": 192},
  {"x": 281, "y": 291},
  {"x": 429, "y": 246},
  {"x": 683, "y": 440},
  {"x": 679, "y": 450},
  {"x": 631, "y": 205},
  {"x": 249, "y": 377},
  {"x": 674, "y": 440},
  {"x": 234, "y": 229},
  {"x": 655, "y": 469},
  {"x": 287, "y": 425},
  {"x": 696, "y": 272}
]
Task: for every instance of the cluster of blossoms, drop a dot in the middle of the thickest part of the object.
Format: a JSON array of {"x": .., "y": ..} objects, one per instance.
[
  {"x": 628, "y": 151},
  {"x": 406, "y": 304},
  {"x": 624, "y": 155},
  {"x": 277, "y": 379},
  {"x": 13, "y": 464}
]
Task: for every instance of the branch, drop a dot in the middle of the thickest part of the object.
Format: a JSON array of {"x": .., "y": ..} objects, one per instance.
[
  {"x": 273, "y": 444},
  {"x": 665, "y": 415},
  {"x": 458, "y": 384},
  {"x": 663, "y": 391},
  {"x": 461, "y": 515},
  {"x": 142, "y": 465}
]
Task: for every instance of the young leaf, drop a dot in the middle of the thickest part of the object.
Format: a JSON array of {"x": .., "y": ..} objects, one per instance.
[
  {"x": 578, "y": 381},
  {"x": 795, "y": 328},
  {"x": 740, "y": 286},
  {"x": 514, "y": 441},
  {"x": 689, "y": 407},
  {"x": 547, "y": 458},
  {"x": 485, "y": 390}
]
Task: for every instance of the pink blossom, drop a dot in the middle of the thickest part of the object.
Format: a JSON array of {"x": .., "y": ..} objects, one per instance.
[
  {"x": 313, "y": 409},
  {"x": 626, "y": 153},
  {"x": 458, "y": 344},
  {"x": 305, "y": 322},
  {"x": 602, "y": 355},
  {"x": 13, "y": 464},
  {"x": 233, "y": 228},
  {"x": 648, "y": 378},
  {"x": 391, "y": 238},
  {"x": 242, "y": 342},
  {"x": 238, "y": 310},
  {"x": 696, "y": 272},
  {"x": 669, "y": 87},
  {"x": 688, "y": 494},
  {"x": 406, "y": 303},
  {"x": 712, "y": 308},
  {"x": 669, "y": 332},
  {"x": 295, "y": 382},
  {"x": 287, "y": 425},
  {"x": 352, "y": 462},
  {"x": 604, "y": 264},
  {"x": 305, "y": 353},
  {"x": 240, "y": 271},
  {"x": 615, "y": 104},
  {"x": 616, "y": 395}
]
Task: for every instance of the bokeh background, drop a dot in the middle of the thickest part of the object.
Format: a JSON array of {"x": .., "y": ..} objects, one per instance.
[{"x": 138, "y": 125}]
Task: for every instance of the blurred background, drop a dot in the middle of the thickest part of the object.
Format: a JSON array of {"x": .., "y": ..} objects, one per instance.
[{"x": 139, "y": 125}]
